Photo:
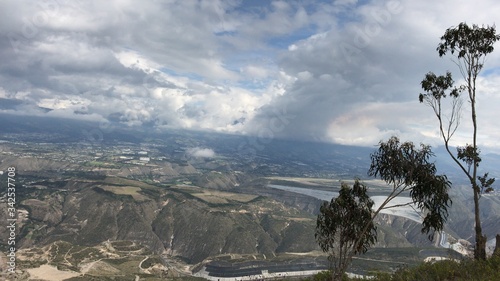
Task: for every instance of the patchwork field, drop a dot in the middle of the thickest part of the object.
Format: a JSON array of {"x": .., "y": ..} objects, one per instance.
[
  {"x": 127, "y": 182},
  {"x": 215, "y": 197},
  {"x": 125, "y": 190}
]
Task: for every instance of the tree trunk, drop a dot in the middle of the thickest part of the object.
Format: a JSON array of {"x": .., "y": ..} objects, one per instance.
[
  {"x": 497, "y": 246},
  {"x": 480, "y": 249},
  {"x": 337, "y": 276}
]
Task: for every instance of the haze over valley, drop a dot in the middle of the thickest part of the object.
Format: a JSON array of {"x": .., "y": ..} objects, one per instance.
[{"x": 190, "y": 202}]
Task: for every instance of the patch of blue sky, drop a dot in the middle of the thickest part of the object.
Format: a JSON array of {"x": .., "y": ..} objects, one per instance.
[
  {"x": 255, "y": 86},
  {"x": 259, "y": 57},
  {"x": 491, "y": 71},
  {"x": 282, "y": 42},
  {"x": 262, "y": 7},
  {"x": 190, "y": 75},
  {"x": 226, "y": 33},
  {"x": 344, "y": 13},
  {"x": 237, "y": 64},
  {"x": 345, "y": 18},
  {"x": 254, "y": 7}
]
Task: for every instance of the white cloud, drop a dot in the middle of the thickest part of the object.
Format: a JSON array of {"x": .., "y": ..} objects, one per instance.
[
  {"x": 372, "y": 122},
  {"x": 254, "y": 71},
  {"x": 345, "y": 71},
  {"x": 199, "y": 152}
]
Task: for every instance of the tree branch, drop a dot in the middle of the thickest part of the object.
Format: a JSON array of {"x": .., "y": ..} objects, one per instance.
[{"x": 398, "y": 205}]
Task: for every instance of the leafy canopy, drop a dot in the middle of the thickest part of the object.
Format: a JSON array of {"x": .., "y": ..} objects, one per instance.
[
  {"x": 345, "y": 227},
  {"x": 406, "y": 167},
  {"x": 342, "y": 220},
  {"x": 468, "y": 42},
  {"x": 470, "y": 45}
]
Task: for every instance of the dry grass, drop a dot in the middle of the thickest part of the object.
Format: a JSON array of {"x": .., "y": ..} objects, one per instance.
[
  {"x": 48, "y": 272},
  {"x": 125, "y": 190},
  {"x": 216, "y": 197},
  {"x": 100, "y": 268},
  {"x": 308, "y": 181},
  {"x": 219, "y": 197},
  {"x": 327, "y": 182},
  {"x": 127, "y": 182}
]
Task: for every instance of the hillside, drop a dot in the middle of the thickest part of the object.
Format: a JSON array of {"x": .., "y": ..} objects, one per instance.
[
  {"x": 177, "y": 220},
  {"x": 189, "y": 210}
]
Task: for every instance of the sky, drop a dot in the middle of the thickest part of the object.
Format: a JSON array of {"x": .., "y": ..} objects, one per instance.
[{"x": 343, "y": 71}]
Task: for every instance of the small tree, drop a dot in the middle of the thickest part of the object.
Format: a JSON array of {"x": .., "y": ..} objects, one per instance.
[
  {"x": 470, "y": 45},
  {"x": 345, "y": 226}
]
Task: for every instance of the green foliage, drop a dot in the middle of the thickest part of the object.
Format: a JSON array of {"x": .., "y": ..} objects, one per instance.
[
  {"x": 406, "y": 167},
  {"x": 324, "y": 276},
  {"x": 470, "y": 45},
  {"x": 464, "y": 270},
  {"x": 150, "y": 261},
  {"x": 469, "y": 155},
  {"x": 345, "y": 226},
  {"x": 467, "y": 41},
  {"x": 342, "y": 221},
  {"x": 437, "y": 87},
  {"x": 486, "y": 183}
]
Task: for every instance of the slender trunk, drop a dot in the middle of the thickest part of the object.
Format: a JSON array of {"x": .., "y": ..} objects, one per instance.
[{"x": 480, "y": 250}]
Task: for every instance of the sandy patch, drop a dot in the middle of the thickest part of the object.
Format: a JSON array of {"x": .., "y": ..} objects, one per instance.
[
  {"x": 102, "y": 269},
  {"x": 50, "y": 273}
]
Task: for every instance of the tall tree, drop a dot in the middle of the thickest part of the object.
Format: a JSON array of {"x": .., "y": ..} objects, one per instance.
[
  {"x": 469, "y": 45},
  {"x": 345, "y": 226}
]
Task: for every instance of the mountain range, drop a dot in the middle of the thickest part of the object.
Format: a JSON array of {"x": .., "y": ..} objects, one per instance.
[{"x": 85, "y": 184}]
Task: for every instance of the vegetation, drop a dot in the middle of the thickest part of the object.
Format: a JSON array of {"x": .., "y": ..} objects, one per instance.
[
  {"x": 470, "y": 45},
  {"x": 127, "y": 182},
  {"x": 99, "y": 164},
  {"x": 464, "y": 270},
  {"x": 345, "y": 226},
  {"x": 150, "y": 261},
  {"x": 407, "y": 168}
]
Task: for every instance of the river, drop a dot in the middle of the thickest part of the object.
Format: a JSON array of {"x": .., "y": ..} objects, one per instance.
[{"x": 408, "y": 211}]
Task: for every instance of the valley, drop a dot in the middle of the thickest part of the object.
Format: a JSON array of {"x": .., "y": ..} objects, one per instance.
[{"x": 130, "y": 208}]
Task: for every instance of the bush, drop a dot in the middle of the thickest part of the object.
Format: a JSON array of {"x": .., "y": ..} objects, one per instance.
[
  {"x": 325, "y": 276},
  {"x": 465, "y": 270}
]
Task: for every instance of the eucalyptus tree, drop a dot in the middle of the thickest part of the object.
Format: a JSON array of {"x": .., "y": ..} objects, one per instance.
[
  {"x": 407, "y": 168},
  {"x": 345, "y": 226},
  {"x": 469, "y": 45}
]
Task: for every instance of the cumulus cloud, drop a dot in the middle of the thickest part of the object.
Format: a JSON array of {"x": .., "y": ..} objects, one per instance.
[
  {"x": 199, "y": 152},
  {"x": 359, "y": 83},
  {"x": 346, "y": 71}
]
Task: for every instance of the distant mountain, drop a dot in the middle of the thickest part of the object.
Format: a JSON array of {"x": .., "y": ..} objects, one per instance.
[
  {"x": 85, "y": 183},
  {"x": 304, "y": 157}
]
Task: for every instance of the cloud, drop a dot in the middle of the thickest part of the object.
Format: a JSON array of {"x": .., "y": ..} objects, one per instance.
[
  {"x": 199, "y": 152},
  {"x": 358, "y": 84},
  {"x": 347, "y": 71}
]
